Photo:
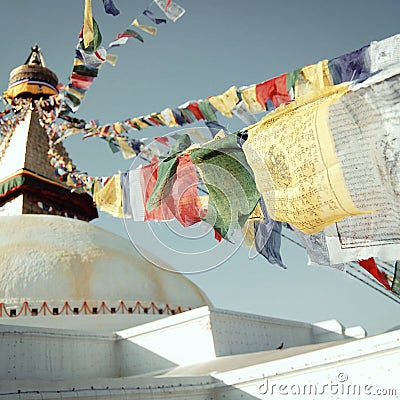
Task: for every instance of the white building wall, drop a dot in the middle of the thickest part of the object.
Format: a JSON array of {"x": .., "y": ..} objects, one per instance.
[
  {"x": 189, "y": 338},
  {"x": 238, "y": 333},
  {"x": 35, "y": 353}
]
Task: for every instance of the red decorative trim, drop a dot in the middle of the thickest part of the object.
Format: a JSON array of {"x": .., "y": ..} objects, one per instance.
[{"x": 26, "y": 310}]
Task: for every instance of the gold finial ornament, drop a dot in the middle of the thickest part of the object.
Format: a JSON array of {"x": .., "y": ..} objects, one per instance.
[{"x": 32, "y": 79}]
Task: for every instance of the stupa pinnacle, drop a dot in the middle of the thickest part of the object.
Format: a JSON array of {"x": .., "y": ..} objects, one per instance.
[{"x": 28, "y": 184}]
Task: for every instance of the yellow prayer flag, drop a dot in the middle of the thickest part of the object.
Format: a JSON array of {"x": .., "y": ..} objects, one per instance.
[
  {"x": 313, "y": 78},
  {"x": 88, "y": 31},
  {"x": 119, "y": 128},
  {"x": 152, "y": 30},
  {"x": 139, "y": 123},
  {"x": 159, "y": 117},
  {"x": 292, "y": 154},
  {"x": 250, "y": 99},
  {"x": 78, "y": 62},
  {"x": 225, "y": 102},
  {"x": 109, "y": 198},
  {"x": 112, "y": 59},
  {"x": 75, "y": 92},
  {"x": 169, "y": 118},
  {"x": 126, "y": 150},
  {"x": 248, "y": 234}
]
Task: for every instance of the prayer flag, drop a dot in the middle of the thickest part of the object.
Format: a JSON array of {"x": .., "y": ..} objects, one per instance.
[
  {"x": 148, "y": 179},
  {"x": 151, "y": 16},
  {"x": 109, "y": 198},
  {"x": 301, "y": 182},
  {"x": 88, "y": 29},
  {"x": 229, "y": 181},
  {"x": 152, "y": 30},
  {"x": 110, "y": 8},
  {"x": 370, "y": 266},
  {"x": 172, "y": 10},
  {"x": 226, "y": 101}
]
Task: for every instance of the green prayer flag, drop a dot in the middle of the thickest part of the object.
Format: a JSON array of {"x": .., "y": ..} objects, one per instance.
[
  {"x": 229, "y": 181},
  {"x": 96, "y": 42},
  {"x": 396, "y": 279},
  {"x": 85, "y": 71},
  {"x": 134, "y": 34},
  {"x": 113, "y": 146},
  {"x": 291, "y": 78},
  {"x": 207, "y": 110}
]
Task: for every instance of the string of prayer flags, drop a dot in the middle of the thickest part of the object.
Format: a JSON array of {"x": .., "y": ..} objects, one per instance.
[
  {"x": 299, "y": 82},
  {"x": 110, "y": 8},
  {"x": 87, "y": 63},
  {"x": 151, "y": 17},
  {"x": 172, "y": 10}
]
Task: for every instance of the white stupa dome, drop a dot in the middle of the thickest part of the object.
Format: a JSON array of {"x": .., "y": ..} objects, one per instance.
[{"x": 54, "y": 260}]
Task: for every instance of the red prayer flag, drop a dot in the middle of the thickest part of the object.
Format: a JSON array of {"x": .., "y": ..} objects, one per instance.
[
  {"x": 194, "y": 108},
  {"x": 183, "y": 199},
  {"x": 163, "y": 140},
  {"x": 80, "y": 81},
  {"x": 217, "y": 236},
  {"x": 370, "y": 266},
  {"x": 273, "y": 89},
  {"x": 148, "y": 179}
]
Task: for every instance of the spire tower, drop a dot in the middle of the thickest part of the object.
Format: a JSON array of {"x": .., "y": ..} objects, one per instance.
[{"x": 28, "y": 184}]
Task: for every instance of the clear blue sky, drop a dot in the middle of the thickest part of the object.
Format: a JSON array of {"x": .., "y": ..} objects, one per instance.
[{"x": 215, "y": 45}]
